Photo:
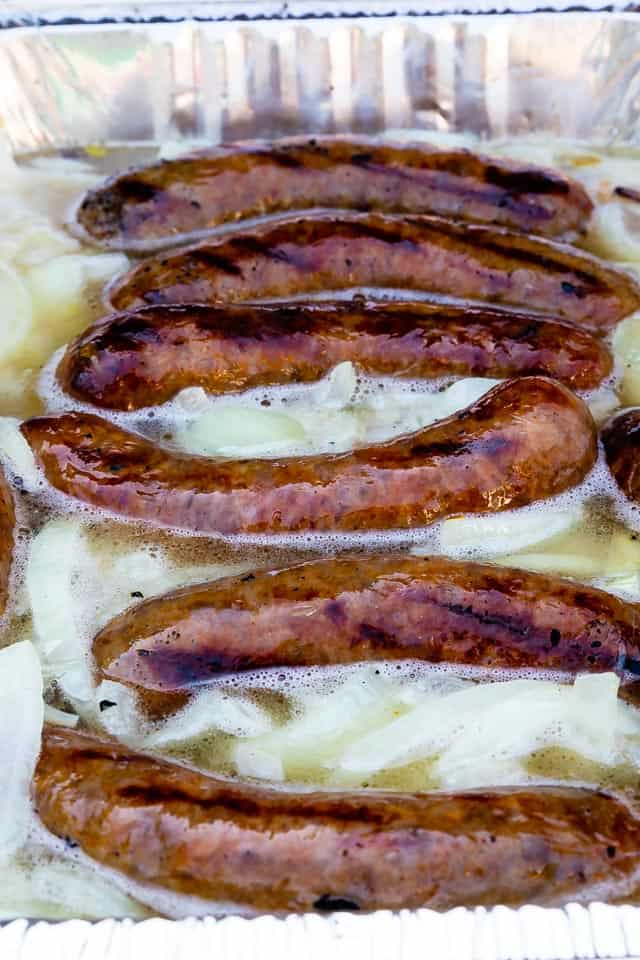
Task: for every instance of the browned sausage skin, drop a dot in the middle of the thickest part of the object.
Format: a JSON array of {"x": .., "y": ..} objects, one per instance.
[
  {"x": 7, "y": 525},
  {"x": 326, "y": 252},
  {"x": 275, "y": 850},
  {"x": 524, "y": 440},
  {"x": 621, "y": 440},
  {"x": 375, "y": 607},
  {"x": 144, "y": 357},
  {"x": 188, "y": 197}
]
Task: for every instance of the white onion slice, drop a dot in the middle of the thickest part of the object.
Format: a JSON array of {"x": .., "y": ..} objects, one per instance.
[
  {"x": 59, "y": 890},
  {"x": 21, "y": 718},
  {"x": 57, "y": 286},
  {"x": 56, "y": 554},
  {"x": 626, "y": 347},
  {"x": 585, "y": 556},
  {"x": 496, "y": 534},
  {"x": 15, "y": 449},
  {"x": 481, "y": 735},
  {"x": 328, "y": 723},
  {"x": 232, "y": 430},
  {"x": 615, "y": 231},
  {"x": 209, "y": 710},
  {"x": 334, "y": 415},
  {"x": 16, "y": 314},
  {"x": 60, "y": 717}
]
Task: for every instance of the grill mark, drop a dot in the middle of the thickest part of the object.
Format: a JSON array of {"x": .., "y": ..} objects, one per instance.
[
  {"x": 285, "y": 158},
  {"x": 209, "y": 257},
  {"x": 487, "y": 620},
  {"x": 539, "y": 260},
  {"x": 136, "y": 190},
  {"x": 628, "y": 193},
  {"x": 526, "y": 181}
]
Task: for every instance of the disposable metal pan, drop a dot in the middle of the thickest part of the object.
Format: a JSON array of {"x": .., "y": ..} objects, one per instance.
[{"x": 204, "y": 73}]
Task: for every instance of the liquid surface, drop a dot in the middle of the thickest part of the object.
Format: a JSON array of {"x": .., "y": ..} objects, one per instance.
[{"x": 339, "y": 727}]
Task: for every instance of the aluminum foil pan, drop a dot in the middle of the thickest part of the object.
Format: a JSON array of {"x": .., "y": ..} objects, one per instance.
[{"x": 78, "y": 76}]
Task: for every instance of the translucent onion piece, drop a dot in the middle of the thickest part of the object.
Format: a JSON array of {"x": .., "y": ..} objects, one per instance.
[
  {"x": 16, "y": 314},
  {"x": 327, "y": 725},
  {"x": 336, "y": 414},
  {"x": 498, "y": 533},
  {"x": 483, "y": 734},
  {"x": 626, "y": 346},
  {"x": 17, "y": 453},
  {"x": 212, "y": 710},
  {"x": 58, "y": 890},
  {"x": 21, "y": 718},
  {"x": 56, "y": 553}
]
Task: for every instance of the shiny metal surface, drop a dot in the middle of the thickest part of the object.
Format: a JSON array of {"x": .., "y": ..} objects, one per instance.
[
  {"x": 78, "y": 82},
  {"x": 573, "y": 74}
]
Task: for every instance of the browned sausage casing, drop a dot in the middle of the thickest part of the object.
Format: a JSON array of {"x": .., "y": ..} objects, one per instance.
[
  {"x": 189, "y": 196},
  {"x": 275, "y": 850},
  {"x": 144, "y": 357},
  {"x": 7, "y": 525},
  {"x": 524, "y": 440},
  {"x": 324, "y": 253},
  {"x": 376, "y": 607},
  {"x": 621, "y": 440}
]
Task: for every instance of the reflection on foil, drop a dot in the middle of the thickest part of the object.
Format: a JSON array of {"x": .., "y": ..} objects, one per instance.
[
  {"x": 571, "y": 75},
  {"x": 575, "y": 75}
]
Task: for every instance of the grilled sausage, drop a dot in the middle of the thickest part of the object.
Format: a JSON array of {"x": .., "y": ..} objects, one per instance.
[
  {"x": 621, "y": 441},
  {"x": 7, "y": 524},
  {"x": 377, "y": 607},
  {"x": 327, "y": 252},
  {"x": 275, "y": 850},
  {"x": 188, "y": 197},
  {"x": 524, "y": 440},
  {"x": 144, "y": 357}
]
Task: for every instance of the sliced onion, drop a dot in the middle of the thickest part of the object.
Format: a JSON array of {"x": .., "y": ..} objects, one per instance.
[
  {"x": 626, "y": 346},
  {"x": 58, "y": 285},
  {"x": 337, "y": 389},
  {"x": 467, "y": 734},
  {"x": 328, "y": 723},
  {"x": 60, "y": 717},
  {"x": 59, "y": 890},
  {"x": 119, "y": 712},
  {"x": 498, "y": 533},
  {"x": 213, "y": 709},
  {"x": 583, "y": 555},
  {"x": 57, "y": 552},
  {"x": 581, "y": 566},
  {"x": 602, "y": 403},
  {"x": 16, "y": 313},
  {"x": 615, "y": 231},
  {"x": 21, "y": 718},
  {"x": 483, "y": 734},
  {"x": 231, "y": 430},
  {"x": 15, "y": 449},
  {"x": 335, "y": 415}
]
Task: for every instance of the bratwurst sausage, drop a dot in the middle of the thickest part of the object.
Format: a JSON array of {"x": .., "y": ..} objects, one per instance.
[
  {"x": 326, "y": 252},
  {"x": 275, "y": 850},
  {"x": 185, "y": 198},
  {"x": 376, "y": 607},
  {"x": 522, "y": 441},
  {"x": 143, "y": 357},
  {"x": 621, "y": 441}
]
